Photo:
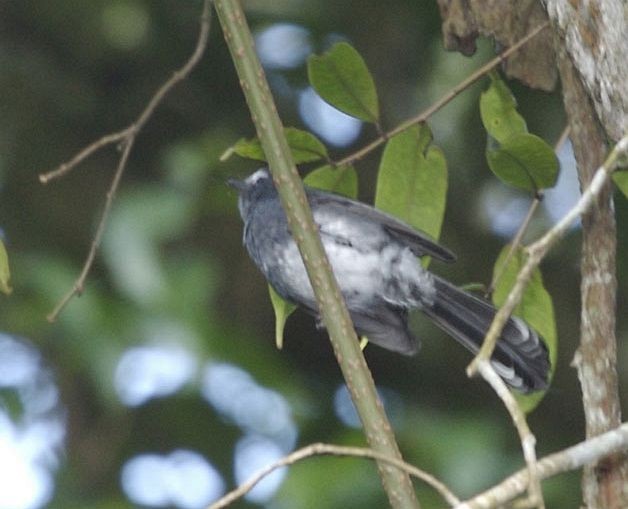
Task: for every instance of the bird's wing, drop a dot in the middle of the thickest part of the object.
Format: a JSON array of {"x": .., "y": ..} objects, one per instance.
[{"x": 419, "y": 243}]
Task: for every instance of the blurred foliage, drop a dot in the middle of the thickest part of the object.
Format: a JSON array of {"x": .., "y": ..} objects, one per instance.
[{"x": 172, "y": 270}]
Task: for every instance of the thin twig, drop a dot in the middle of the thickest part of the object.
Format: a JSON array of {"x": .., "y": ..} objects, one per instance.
[
  {"x": 585, "y": 453},
  {"x": 127, "y": 138},
  {"x": 79, "y": 284},
  {"x": 562, "y": 138},
  {"x": 320, "y": 449},
  {"x": 444, "y": 100},
  {"x": 64, "y": 168},
  {"x": 528, "y": 440}
]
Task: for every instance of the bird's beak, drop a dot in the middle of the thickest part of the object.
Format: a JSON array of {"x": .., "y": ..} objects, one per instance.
[{"x": 236, "y": 183}]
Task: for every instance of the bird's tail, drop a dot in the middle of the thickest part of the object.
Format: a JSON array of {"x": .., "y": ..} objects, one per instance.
[{"x": 520, "y": 356}]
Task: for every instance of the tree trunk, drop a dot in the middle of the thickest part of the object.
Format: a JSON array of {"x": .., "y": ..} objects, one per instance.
[
  {"x": 592, "y": 44},
  {"x": 604, "y": 485}
]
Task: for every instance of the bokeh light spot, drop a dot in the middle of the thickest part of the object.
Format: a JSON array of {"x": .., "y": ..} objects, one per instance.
[
  {"x": 283, "y": 45},
  {"x": 147, "y": 372},
  {"x": 182, "y": 479},
  {"x": 334, "y": 126}
]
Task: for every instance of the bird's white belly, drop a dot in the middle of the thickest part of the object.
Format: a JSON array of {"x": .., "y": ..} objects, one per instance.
[{"x": 362, "y": 275}]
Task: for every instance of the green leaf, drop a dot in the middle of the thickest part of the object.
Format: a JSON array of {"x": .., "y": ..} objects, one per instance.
[
  {"x": 621, "y": 181},
  {"x": 341, "y": 78},
  {"x": 343, "y": 180},
  {"x": 305, "y": 147},
  {"x": 498, "y": 109},
  {"x": 412, "y": 180},
  {"x": 535, "y": 308},
  {"x": 283, "y": 309},
  {"x": 5, "y": 273},
  {"x": 524, "y": 161}
]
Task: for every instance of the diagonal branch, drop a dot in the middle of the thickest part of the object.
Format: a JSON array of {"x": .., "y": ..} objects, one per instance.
[
  {"x": 577, "y": 456},
  {"x": 528, "y": 440},
  {"x": 537, "y": 251},
  {"x": 333, "y": 310},
  {"x": 125, "y": 137}
]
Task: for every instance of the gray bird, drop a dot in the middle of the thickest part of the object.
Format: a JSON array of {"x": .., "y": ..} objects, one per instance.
[{"x": 374, "y": 259}]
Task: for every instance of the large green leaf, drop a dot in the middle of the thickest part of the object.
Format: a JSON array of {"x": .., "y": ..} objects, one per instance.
[
  {"x": 524, "y": 161},
  {"x": 535, "y": 308},
  {"x": 341, "y": 78},
  {"x": 5, "y": 274},
  {"x": 498, "y": 109},
  {"x": 412, "y": 180},
  {"x": 305, "y": 147},
  {"x": 343, "y": 180}
]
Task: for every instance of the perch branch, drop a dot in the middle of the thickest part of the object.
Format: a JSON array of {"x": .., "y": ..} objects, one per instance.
[{"x": 330, "y": 303}]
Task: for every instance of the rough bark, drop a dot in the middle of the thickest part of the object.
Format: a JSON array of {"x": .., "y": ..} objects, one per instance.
[
  {"x": 605, "y": 485},
  {"x": 595, "y": 36},
  {"x": 506, "y": 21},
  {"x": 592, "y": 47}
]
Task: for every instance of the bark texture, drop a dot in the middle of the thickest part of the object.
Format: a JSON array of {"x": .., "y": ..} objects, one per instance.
[
  {"x": 592, "y": 50},
  {"x": 594, "y": 34},
  {"x": 506, "y": 21},
  {"x": 605, "y": 485}
]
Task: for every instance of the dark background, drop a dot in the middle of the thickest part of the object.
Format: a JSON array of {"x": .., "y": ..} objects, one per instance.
[{"x": 173, "y": 283}]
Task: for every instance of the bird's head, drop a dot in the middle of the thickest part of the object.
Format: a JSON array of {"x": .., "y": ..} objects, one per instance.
[{"x": 256, "y": 187}]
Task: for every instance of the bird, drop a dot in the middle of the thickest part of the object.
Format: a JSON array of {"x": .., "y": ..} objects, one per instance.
[{"x": 375, "y": 260}]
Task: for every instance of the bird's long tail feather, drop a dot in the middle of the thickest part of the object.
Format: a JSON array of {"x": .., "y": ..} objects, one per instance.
[{"x": 520, "y": 357}]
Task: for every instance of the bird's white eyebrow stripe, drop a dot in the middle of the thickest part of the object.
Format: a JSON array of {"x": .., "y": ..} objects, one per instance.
[{"x": 259, "y": 174}]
